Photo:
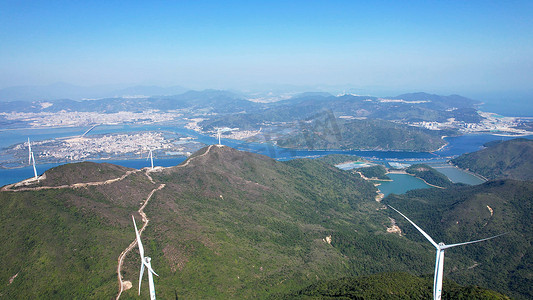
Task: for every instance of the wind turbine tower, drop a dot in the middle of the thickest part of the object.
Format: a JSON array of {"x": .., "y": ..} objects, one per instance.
[
  {"x": 31, "y": 158},
  {"x": 439, "y": 261},
  {"x": 151, "y": 159},
  {"x": 34, "y": 169},
  {"x": 219, "y": 134},
  {"x": 145, "y": 262}
]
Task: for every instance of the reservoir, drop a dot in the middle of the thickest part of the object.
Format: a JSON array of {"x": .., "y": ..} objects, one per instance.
[
  {"x": 401, "y": 183},
  {"x": 457, "y": 175}
]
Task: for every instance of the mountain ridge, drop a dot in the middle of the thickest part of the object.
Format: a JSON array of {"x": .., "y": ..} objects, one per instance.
[
  {"x": 223, "y": 224},
  {"x": 512, "y": 159}
]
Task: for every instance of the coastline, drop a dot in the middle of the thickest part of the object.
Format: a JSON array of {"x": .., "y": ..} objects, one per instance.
[
  {"x": 405, "y": 173},
  {"x": 443, "y": 146},
  {"x": 380, "y": 195},
  {"x": 469, "y": 172}
]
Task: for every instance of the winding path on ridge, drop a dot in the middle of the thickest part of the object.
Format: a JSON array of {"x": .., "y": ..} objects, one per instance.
[
  {"x": 145, "y": 218},
  {"x": 8, "y": 188},
  {"x": 132, "y": 244}
]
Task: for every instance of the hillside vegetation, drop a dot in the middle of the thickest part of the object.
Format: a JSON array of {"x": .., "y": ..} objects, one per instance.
[
  {"x": 366, "y": 134},
  {"x": 511, "y": 159},
  {"x": 64, "y": 243},
  {"x": 374, "y": 172},
  {"x": 389, "y": 286},
  {"x": 82, "y": 173},
  {"x": 257, "y": 226},
  {"x": 429, "y": 175},
  {"x": 230, "y": 224},
  {"x": 463, "y": 213}
]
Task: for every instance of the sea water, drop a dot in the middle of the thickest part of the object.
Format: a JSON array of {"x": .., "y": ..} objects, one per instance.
[{"x": 457, "y": 146}]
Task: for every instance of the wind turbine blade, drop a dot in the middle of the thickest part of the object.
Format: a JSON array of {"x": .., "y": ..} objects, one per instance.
[
  {"x": 149, "y": 267},
  {"x": 141, "y": 276},
  {"x": 419, "y": 229},
  {"x": 471, "y": 242},
  {"x": 141, "y": 249},
  {"x": 34, "y": 169}
]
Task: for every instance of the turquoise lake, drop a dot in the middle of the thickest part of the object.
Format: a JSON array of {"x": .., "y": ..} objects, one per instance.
[{"x": 401, "y": 183}]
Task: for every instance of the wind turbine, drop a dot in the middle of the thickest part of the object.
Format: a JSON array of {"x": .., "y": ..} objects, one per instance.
[
  {"x": 145, "y": 261},
  {"x": 219, "y": 134},
  {"x": 439, "y": 261},
  {"x": 33, "y": 160}
]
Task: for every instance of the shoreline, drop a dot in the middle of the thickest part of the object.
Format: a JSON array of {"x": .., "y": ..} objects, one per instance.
[
  {"x": 405, "y": 173},
  {"x": 469, "y": 172},
  {"x": 443, "y": 146},
  {"x": 101, "y": 160}
]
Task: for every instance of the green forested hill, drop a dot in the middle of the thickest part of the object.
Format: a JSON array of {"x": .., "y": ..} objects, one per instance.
[
  {"x": 377, "y": 172},
  {"x": 64, "y": 243},
  {"x": 225, "y": 224},
  {"x": 463, "y": 213},
  {"x": 369, "y": 134},
  {"x": 257, "y": 226},
  {"x": 388, "y": 286},
  {"x": 82, "y": 172},
  {"x": 511, "y": 159},
  {"x": 429, "y": 175}
]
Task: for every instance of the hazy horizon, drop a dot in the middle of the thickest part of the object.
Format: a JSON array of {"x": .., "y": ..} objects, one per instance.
[{"x": 455, "y": 47}]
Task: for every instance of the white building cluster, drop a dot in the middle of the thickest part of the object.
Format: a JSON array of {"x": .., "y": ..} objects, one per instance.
[
  {"x": 490, "y": 123},
  {"x": 76, "y": 118},
  {"x": 80, "y": 148}
]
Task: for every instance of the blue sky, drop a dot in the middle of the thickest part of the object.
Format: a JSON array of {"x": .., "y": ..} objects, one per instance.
[{"x": 446, "y": 47}]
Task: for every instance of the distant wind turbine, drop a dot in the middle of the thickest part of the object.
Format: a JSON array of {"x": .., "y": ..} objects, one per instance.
[
  {"x": 219, "y": 134},
  {"x": 439, "y": 261},
  {"x": 145, "y": 261}
]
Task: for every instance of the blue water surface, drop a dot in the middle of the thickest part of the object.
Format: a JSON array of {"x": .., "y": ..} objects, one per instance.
[{"x": 457, "y": 146}]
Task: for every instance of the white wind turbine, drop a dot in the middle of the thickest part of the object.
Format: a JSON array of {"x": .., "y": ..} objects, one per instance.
[
  {"x": 145, "y": 261},
  {"x": 219, "y": 134},
  {"x": 439, "y": 261}
]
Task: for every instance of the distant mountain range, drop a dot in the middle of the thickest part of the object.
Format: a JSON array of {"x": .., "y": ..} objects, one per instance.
[
  {"x": 405, "y": 108},
  {"x": 220, "y": 101},
  {"x": 62, "y": 91},
  {"x": 74, "y": 92},
  {"x": 361, "y": 122}
]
